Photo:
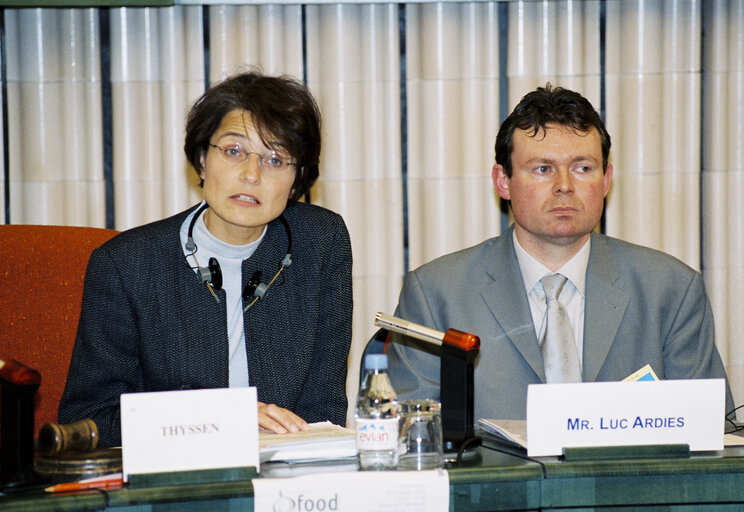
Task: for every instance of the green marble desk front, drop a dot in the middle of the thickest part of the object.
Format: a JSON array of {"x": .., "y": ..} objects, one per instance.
[{"x": 708, "y": 481}]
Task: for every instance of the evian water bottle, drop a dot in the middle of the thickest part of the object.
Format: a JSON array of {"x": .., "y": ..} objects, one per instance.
[{"x": 377, "y": 417}]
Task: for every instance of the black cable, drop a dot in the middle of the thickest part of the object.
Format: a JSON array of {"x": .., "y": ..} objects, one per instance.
[
  {"x": 736, "y": 428},
  {"x": 474, "y": 440},
  {"x": 519, "y": 456}
]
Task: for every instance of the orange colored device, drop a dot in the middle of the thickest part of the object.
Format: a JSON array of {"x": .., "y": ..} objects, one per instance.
[{"x": 463, "y": 340}]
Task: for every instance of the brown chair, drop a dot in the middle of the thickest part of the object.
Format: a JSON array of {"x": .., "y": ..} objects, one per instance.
[{"x": 43, "y": 269}]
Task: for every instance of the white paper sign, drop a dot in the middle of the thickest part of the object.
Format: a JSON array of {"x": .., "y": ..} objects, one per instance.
[
  {"x": 625, "y": 414},
  {"x": 189, "y": 430},
  {"x": 355, "y": 491}
]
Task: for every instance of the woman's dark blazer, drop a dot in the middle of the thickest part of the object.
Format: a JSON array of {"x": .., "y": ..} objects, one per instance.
[{"x": 147, "y": 324}]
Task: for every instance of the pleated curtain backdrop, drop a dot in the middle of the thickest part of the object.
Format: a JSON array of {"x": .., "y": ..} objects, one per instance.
[
  {"x": 353, "y": 68},
  {"x": 54, "y": 149},
  {"x": 412, "y": 96},
  {"x": 722, "y": 196}
]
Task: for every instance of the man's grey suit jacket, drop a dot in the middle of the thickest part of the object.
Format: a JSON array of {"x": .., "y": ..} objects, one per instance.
[{"x": 642, "y": 307}]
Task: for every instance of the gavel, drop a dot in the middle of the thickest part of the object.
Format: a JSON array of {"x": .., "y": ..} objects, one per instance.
[{"x": 55, "y": 438}]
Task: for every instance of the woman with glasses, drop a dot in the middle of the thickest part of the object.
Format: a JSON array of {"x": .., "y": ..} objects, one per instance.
[{"x": 250, "y": 287}]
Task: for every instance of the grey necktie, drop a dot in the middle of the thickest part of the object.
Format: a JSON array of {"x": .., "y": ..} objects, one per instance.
[{"x": 558, "y": 347}]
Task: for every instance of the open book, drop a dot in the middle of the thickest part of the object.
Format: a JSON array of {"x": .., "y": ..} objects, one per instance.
[{"x": 324, "y": 441}]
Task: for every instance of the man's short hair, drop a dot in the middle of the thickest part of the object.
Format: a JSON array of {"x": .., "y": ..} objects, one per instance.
[
  {"x": 282, "y": 110},
  {"x": 549, "y": 106}
]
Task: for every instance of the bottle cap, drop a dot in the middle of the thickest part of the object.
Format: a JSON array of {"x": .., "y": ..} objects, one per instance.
[{"x": 376, "y": 362}]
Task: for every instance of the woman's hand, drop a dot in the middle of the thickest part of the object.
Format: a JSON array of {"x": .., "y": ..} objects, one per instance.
[{"x": 279, "y": 420}]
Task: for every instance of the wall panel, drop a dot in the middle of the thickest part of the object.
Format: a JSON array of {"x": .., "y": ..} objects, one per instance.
[
  {"x": 556, "y": 42},
  {"x": 723, "y": 180},
  {"x": 353, "y": 68},
  {"x": 156, "y": 73},
  {"x": 268, "y": 37},
  {"x": 452, "y": 79},
  {"x": 654, "y": 115},
  {"x": 54, "y": 117}
]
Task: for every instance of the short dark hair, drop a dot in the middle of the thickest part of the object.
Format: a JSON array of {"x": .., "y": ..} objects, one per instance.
[
  {"x": 544, "y": 106},
  {"x": 282, "y": 109}
]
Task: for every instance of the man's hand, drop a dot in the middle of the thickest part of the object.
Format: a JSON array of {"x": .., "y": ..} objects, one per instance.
[{"x": 279, "y": 420}]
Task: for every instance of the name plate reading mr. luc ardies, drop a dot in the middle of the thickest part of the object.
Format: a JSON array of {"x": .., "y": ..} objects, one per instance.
[
  {"x": 189, "y": 430},
  {"x": 597, "y": 414}
]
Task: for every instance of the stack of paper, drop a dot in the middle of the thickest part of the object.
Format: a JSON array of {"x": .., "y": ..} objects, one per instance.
[
  {"x": 512, "y": 432},
  {"x": 324, "y": 441}
]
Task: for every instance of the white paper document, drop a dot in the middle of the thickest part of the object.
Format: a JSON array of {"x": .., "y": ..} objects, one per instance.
[
  {"x": 356, "y": 491},
  {"x": 324, "y": 441},
  {"x": 733, "y": 440},
  {"x": 510, "y": 431}
]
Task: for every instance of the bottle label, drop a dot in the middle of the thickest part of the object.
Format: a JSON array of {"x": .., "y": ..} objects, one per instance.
[{"x": 377, "y": 434}]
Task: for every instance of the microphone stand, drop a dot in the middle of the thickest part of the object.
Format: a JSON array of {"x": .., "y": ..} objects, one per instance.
[{"x": 457, "y": 389}]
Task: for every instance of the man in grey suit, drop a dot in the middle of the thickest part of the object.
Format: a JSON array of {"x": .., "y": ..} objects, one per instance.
[{"x": 628, "y": 305}]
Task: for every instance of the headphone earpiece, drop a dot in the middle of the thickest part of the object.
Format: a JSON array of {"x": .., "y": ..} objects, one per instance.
[
  {"x": 255, "y": 288},
  {"x": 211, "y": 274},
  {"x": 250, "y": 289}
]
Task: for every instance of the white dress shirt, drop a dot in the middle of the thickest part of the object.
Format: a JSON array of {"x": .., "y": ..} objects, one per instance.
[{"x": 572, "y": 296}]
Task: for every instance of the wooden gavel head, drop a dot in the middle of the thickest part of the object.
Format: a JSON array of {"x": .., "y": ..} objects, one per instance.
[{"x": 55, "y": 439}]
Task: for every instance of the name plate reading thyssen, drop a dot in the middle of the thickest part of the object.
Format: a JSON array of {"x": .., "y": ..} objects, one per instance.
[
  {"x": 189, "y": 430},
  {"x": 597, "y": 414}
]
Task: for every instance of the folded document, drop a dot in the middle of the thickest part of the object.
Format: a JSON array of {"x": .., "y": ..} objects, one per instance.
[
  {"x": 510, "y": 432},
  {"x": 324, "y": 441}
]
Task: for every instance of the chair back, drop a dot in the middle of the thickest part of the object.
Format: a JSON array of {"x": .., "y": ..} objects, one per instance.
[{"x": 42, "y": 269}]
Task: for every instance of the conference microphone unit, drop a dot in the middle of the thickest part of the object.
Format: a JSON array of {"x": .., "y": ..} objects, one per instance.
[{"x": 456, "y": 385}]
